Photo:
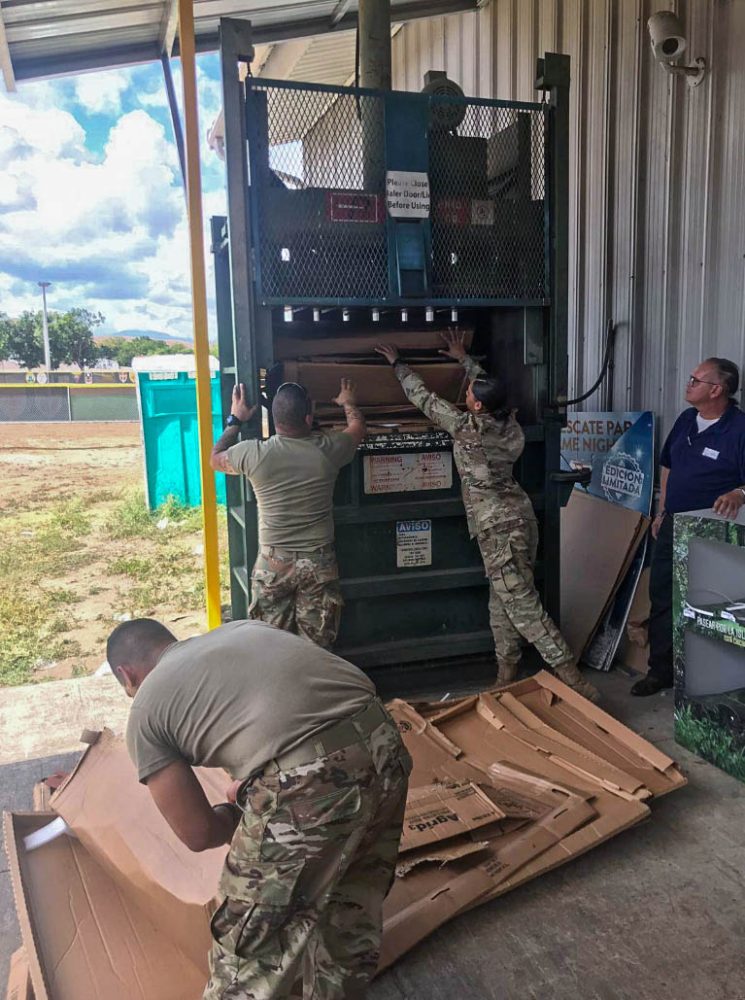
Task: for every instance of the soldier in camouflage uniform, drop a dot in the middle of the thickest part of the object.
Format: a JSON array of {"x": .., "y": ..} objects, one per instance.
[
  {"x": 295, "y": 579},
  {"x": 315, "y": 810},
  {"x": 487, "y": 441}
]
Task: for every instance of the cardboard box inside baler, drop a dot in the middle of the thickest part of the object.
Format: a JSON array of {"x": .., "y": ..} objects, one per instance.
[{"x": 320, "y": 362}]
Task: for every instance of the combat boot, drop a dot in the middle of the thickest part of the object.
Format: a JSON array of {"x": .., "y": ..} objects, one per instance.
[
  {"x": 570, "y": 675},
  {"x": 506, "y": 673}
]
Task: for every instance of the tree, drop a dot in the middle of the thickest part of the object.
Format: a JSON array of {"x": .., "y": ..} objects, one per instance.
[
  {"x": 71, "y": 337},
  {"x": 21, "y": 339},
  {"x": 123, "y": 351}
]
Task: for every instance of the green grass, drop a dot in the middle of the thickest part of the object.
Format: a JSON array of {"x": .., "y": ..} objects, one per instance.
[
  {"x": 145, "y": 561},
  {"x": 711, "y": 741},
  {"x": 132, "y": 566},
  {"x": 29, "y": 636}
]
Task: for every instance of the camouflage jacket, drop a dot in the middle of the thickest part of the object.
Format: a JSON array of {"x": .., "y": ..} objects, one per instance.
[{"x": 484, "y": 449}]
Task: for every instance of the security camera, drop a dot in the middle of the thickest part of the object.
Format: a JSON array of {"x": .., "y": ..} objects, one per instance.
[
  {"x": 669, "y": 43},
  {"x": 666, "y": 35}
]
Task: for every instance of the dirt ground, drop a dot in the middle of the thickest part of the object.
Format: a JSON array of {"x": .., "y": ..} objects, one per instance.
[
  {"x": 81, "y": 552},
  {"x": 39, "y": 462}
]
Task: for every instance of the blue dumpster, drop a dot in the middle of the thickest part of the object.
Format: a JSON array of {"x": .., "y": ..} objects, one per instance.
[{"x": 167, "y": 401}]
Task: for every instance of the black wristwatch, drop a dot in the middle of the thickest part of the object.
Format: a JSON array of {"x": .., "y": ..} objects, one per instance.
[{"x": 233, "y": 421}]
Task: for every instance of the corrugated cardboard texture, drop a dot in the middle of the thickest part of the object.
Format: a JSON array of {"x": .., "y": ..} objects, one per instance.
[
  {"x": 598, "y": 542},
  {"x": 574, "y": 774},
  {"x": 548, "y": 775},
  {"x": 19, "y": 978},
  {"x": 376, "y": 385},
  {"x": 289, "y": 347},
  {"x": 85, "y": 939},
  {"x": 439, "y": 812},
  {"x": 117, "y": 821}
]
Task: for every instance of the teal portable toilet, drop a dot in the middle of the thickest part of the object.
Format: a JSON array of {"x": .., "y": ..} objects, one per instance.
[{"x": 167, "y": 402}]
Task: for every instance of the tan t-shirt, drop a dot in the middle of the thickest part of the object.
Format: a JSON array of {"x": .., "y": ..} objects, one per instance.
[
  {"x": 238, "y": 696},
  {"x": 293, "y": 479}
]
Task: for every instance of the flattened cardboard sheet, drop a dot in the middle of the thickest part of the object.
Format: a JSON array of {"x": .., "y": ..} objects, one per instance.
[
  {"x": 84, "y": 938},
  {"x": 601, "y": 538},
  {"x": 376, "y": 385},
  {"x": 19, "y": 977},
  {"x": 588, "y": 725},
  {"x": 439, "y": 812},
  {"x": 117, "y": 821},
  {"x": 288, "y": 347}
]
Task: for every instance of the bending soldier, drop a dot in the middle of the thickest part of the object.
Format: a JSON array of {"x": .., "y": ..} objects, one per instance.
[
  {"x": 319, "y": 792},
  {"x": 295, "y": 580},
  {"x": 487, "y": 441}
]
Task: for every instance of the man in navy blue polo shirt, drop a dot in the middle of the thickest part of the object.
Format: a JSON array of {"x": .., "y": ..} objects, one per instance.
[{"x": 702, "y": 466}]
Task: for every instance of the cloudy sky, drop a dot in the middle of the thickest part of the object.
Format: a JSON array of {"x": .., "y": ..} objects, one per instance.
[{"x": 91, "y": 197}]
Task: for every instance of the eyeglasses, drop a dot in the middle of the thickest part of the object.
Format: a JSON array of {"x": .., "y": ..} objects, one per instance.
[{"x": 692, "y": 380}]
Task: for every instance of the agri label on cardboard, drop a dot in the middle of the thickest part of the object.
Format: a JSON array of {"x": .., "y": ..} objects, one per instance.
[
  {"x": 407, "y": 194},
  {"x": 413, "y": 543}
]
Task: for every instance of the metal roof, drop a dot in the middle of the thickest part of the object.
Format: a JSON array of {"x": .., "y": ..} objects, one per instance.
[{"x": 40, "y": 38}]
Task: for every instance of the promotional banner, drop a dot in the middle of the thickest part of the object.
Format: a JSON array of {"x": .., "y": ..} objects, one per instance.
[{"x": 619, "y": 449}]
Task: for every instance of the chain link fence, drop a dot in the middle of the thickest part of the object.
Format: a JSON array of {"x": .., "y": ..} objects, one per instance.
[{"x": 50, "y": 403}]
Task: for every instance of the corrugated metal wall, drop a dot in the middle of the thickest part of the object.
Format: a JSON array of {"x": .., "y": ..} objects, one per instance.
[{"x": 657, "y": 170}]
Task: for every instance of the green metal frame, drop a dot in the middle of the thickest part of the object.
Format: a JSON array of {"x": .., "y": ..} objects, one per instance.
[{"x": 449, "y": 621}]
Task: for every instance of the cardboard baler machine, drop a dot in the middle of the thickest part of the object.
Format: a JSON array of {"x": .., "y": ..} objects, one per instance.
[{"x": 358, "y": 216}]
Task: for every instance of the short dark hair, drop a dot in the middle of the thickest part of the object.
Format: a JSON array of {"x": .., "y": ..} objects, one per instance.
[
  {"x": 727, "y": 372},
  {"x": 138, "y": 641},
  {"x": 290, "y": 406},
  {"x": 491, "y": 393}
]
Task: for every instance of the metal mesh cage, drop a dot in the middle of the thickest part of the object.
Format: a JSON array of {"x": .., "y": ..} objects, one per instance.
[
  {"x": 317, "y": 160},
  {"x": 488, "y": 184}
]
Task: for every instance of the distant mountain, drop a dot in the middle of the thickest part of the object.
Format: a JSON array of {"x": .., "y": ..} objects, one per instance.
[{"x": 152, "y": 334}]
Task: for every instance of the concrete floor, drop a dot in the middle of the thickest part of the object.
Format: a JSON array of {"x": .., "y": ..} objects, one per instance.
[{"x": 655, "y": 914}]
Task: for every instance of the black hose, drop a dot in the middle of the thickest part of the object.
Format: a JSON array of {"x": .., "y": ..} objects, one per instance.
[{"x": 609, "y": 340}]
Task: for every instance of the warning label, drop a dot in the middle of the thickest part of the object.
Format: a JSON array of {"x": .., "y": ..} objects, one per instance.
[
  {"x": 402, "y": 473},
  {"x": 413, "y": 543}
]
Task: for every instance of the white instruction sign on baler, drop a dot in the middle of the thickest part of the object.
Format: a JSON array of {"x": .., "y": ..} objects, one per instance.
[
  {"x": 408, "y": 473},
  {"x": 413, "y": 543},
  {"x": 407, "y": 194}
]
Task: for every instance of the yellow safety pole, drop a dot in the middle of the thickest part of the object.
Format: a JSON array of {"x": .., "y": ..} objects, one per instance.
[{"x": 199, "y": 310}]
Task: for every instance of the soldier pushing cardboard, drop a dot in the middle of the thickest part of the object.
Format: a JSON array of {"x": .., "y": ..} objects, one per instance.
[{"x": 487, "y": 441}]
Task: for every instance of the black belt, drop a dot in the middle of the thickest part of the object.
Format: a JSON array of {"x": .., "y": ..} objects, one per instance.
[{"x": 337, "y": 736}]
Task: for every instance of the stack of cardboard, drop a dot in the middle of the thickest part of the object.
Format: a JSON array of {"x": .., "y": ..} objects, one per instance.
[
  {"x": 506, "y": 785},
  {"x": 598, "y": 543},
  {"x": 320, "y": 362}
]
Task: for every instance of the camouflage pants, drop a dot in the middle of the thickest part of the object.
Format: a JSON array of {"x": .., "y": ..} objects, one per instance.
[
  {"x": 298, "y": 592},
  {"x": 306, "y": 875},
  {"x": 515, "y": 610}
]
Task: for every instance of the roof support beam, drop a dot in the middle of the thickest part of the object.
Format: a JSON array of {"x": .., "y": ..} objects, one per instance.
[
  {"x": 178, "y": 132},
  {"x": 65, "y": 59},
  {"x": 6, "y": 64},
  {"x": 339, "y": 11},
  {"x": 168, "y": 27}
]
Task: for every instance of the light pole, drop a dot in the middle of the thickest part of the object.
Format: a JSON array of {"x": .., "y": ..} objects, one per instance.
[{"x": 43, "y": 285}]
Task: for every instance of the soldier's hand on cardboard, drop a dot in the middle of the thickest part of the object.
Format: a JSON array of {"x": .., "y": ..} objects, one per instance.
[
  {"x": 389, "y": 352},
  {"x": 240, "y": 407},
  {"x": 346, "y": 395},
  {"x": 729, "y": 504},
  {"x": 455, "y": 348}
]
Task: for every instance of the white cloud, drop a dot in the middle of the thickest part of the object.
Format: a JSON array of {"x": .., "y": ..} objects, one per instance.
[
  {"x": 107, "y": 227},
  {"x": 101, "y": 93}
]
